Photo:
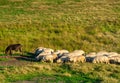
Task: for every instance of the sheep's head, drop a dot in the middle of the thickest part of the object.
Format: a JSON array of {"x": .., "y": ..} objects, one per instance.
[
  {"x": 94, "y": 61},
  {"x": 37, "y": 58},
  {"x": 71, "y": 59},
  {"x": 59, "y": 61}
]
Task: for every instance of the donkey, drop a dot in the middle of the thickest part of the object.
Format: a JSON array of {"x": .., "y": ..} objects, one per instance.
[{"x": 15, "y": 47}]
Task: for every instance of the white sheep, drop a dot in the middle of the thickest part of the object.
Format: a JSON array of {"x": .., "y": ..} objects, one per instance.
[
  {"x": 102, "y": 53},
  {"x": 90, "y": 56},
  {"x": 76, "y": 53},
  {"x": 62, "y": 59},
  {"x": 49, "y": 58},
  {"x": 114, "y": 59},
  {"x": 39, "y": 50},
  {"x": 77, "y": 59},
  {"x": 101, "y": 59},
  {"x": 61, "y": 52},
  {"x": 111, "y": 54},
  {"x": 46, "y": 51},
  {"x": 79, "y": 52},
  {"x": 40, "y": 56}
]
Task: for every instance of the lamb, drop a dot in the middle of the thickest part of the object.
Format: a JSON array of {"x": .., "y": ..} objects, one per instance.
[{"x": 101, "y": 59}]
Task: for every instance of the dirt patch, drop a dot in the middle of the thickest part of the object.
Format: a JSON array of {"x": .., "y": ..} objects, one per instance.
[
  {"x": 16, "y": 0},
  {"x": 25, "y": 82},
  {"x": 16, "y": 60}
]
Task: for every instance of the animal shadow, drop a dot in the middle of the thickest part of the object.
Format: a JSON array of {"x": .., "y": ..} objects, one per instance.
[{"x": 27, "y": 56}]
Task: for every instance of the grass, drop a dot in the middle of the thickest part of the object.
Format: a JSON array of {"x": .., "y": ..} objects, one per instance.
[
  {"x": 3, "y": 59},
  {"x": 81, "y": 24},
  {"x": 90, "y": 25},
  {"x": 73, "y": 73}
]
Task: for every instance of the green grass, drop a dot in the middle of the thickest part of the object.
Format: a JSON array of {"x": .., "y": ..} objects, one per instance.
[
  {"x": 4, "y": 59},
  {"x": 88, "y": 25},
  {"x": 73, "y": 73}
]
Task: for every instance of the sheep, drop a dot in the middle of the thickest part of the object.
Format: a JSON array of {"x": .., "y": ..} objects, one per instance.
[
  {"x": 114, "y": 59},
  {"x": 49, "y": 58},
  {"x": 55, "y": 57},
  {"x": 101, "y": 59},
  {"x": 76, "y": 53},
  {"x": 77, "y": 59},
  {"x": 73, "y": 59},
  {"x": 62, "y": 59},
  {"x": 79, "y": 52},
  {"x": 81, "y": 59},
  {"x": 90, "y": 56},
  {"x": 40, "y": 56},
  {"x": 102, "y": 53},
  {"x": 60, "y": 53},
  {"x": 46, "y": 51},
  {"x": 111, "y": 54},
  {"x": 39, "y": 50}
]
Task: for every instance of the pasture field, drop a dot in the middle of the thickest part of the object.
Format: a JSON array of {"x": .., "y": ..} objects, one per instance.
[
  {"x": 90, "y": 25},
  {"x": 17, "y": 70}
]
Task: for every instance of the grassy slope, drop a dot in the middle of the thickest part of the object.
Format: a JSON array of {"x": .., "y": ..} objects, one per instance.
[
  {"x": 91, "y": 25},
  {"x": 72, "y": 73}
]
